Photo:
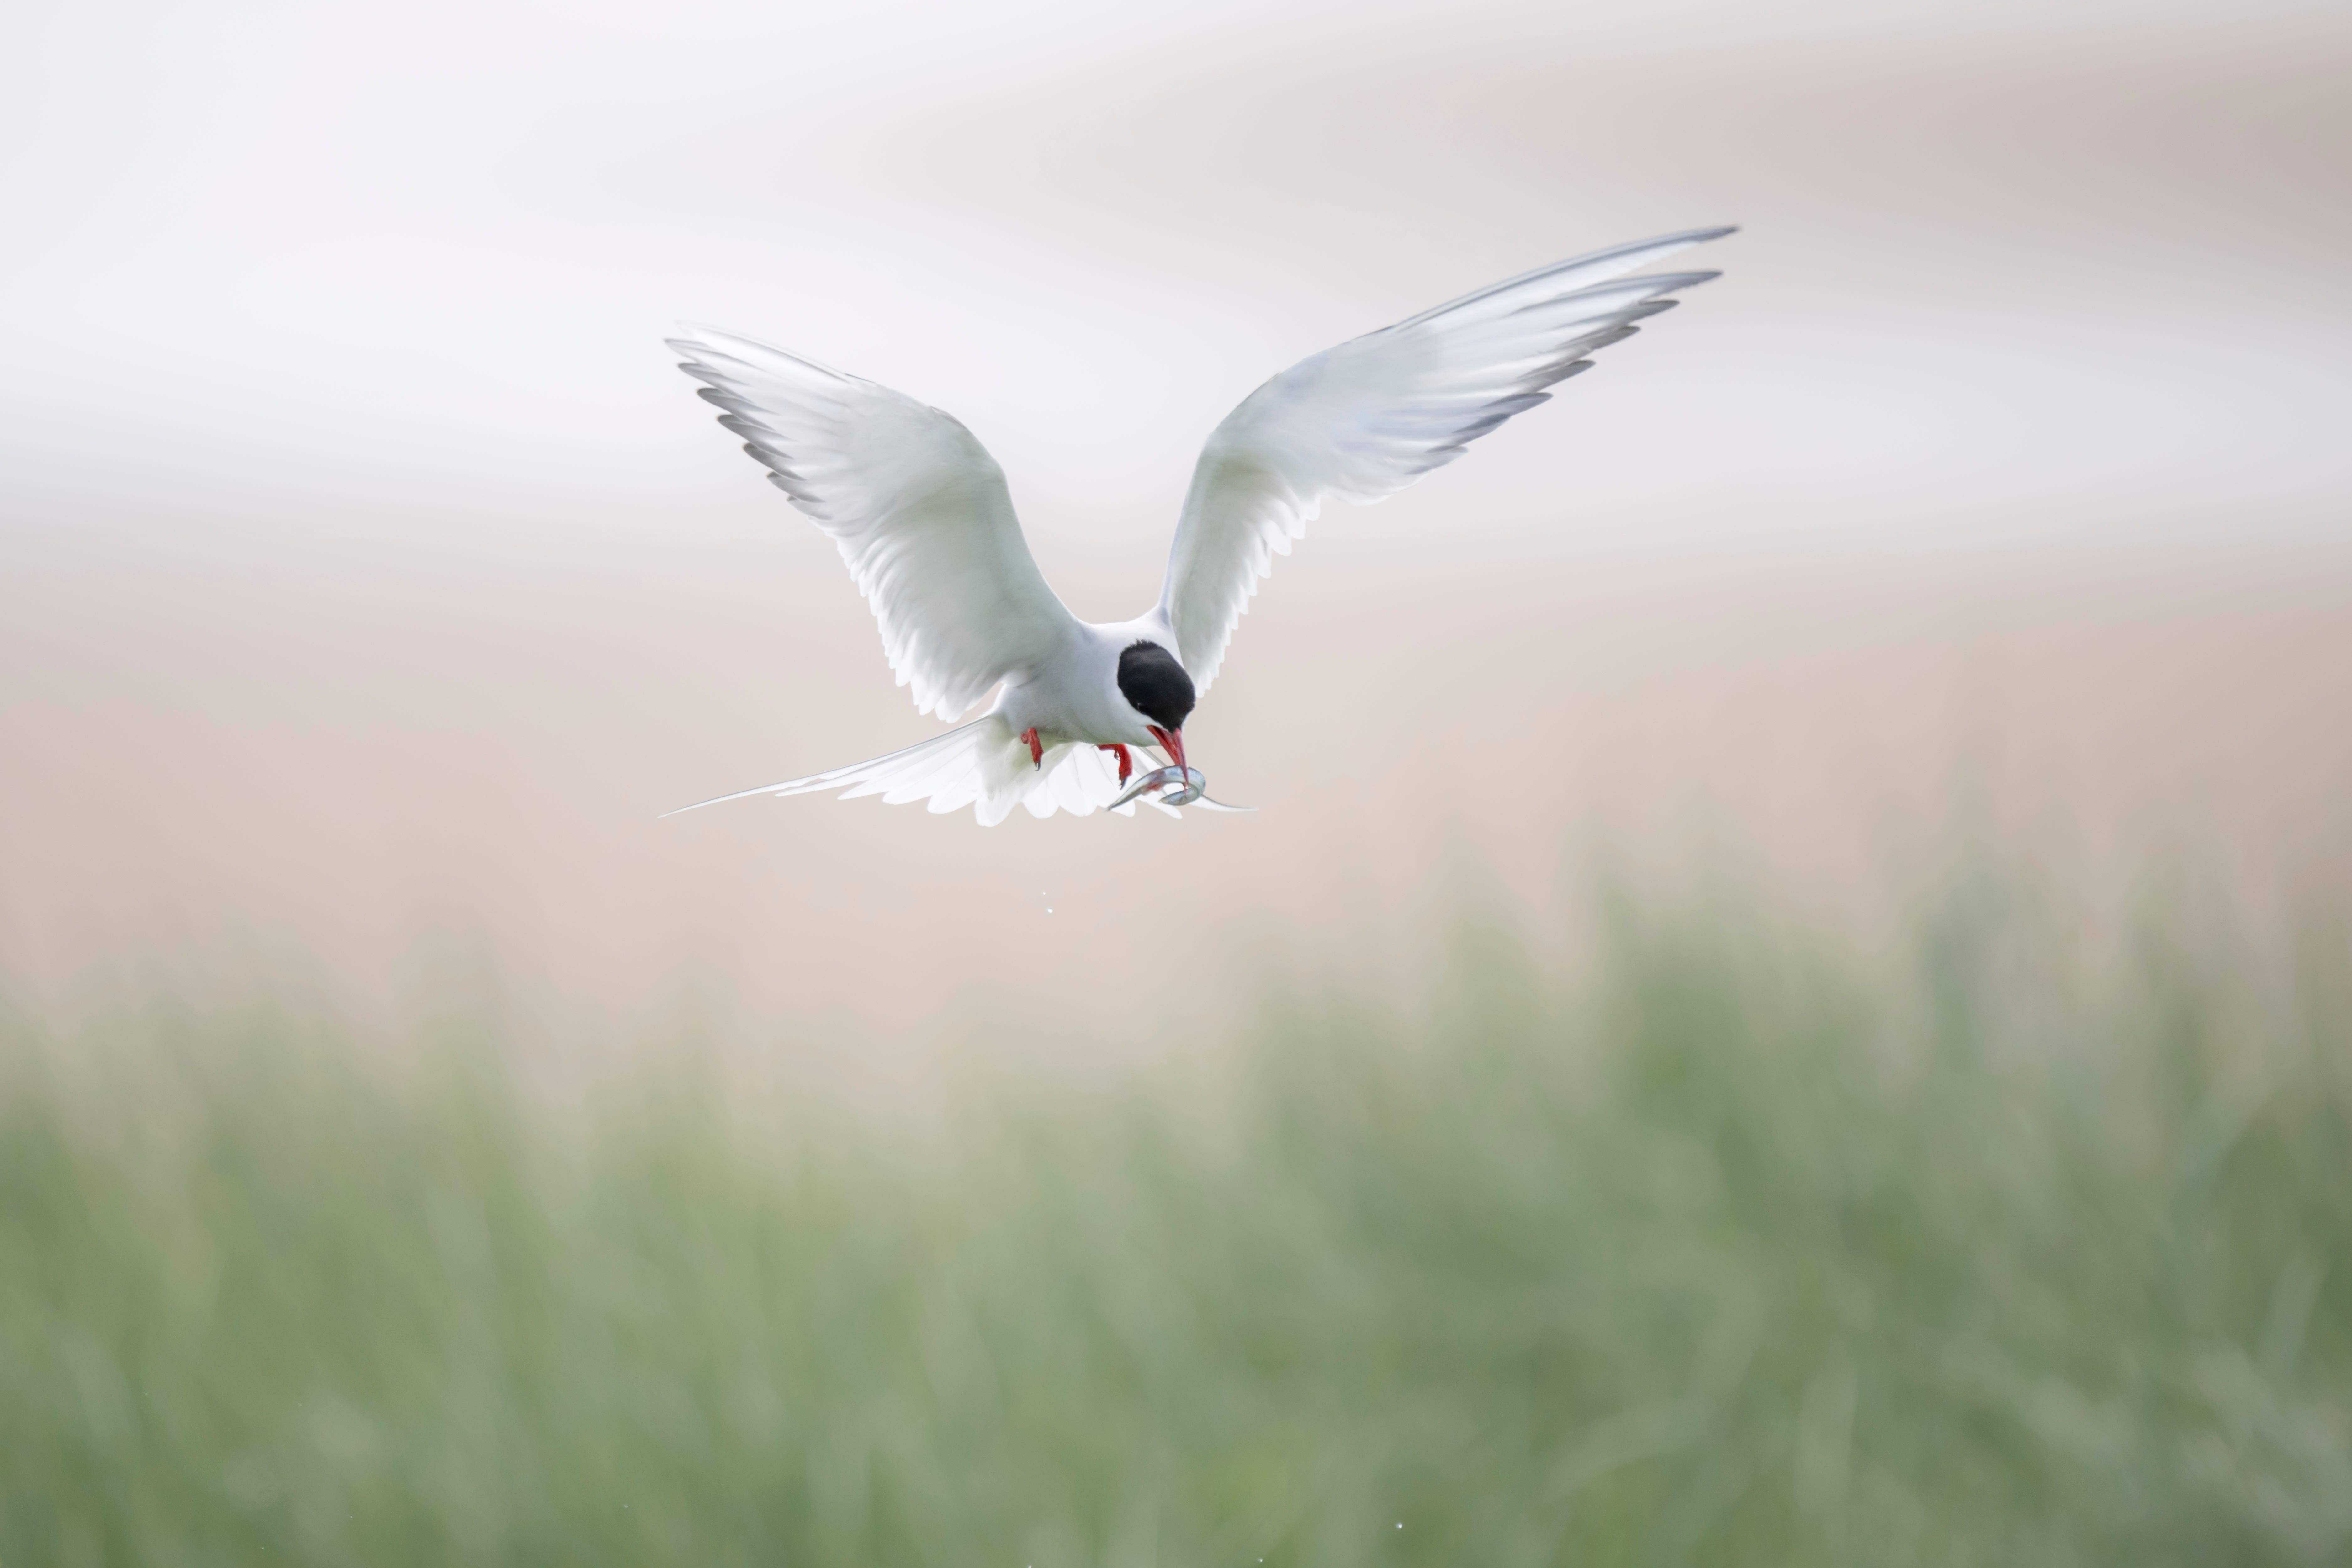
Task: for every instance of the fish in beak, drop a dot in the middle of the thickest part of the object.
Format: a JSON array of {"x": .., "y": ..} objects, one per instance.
[{"x": 1171, "y": 787}]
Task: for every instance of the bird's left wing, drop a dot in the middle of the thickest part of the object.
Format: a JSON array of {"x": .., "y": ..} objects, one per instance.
[
  {"x": 1363, "y": 420},
  {"x": 916, "y": 504}
]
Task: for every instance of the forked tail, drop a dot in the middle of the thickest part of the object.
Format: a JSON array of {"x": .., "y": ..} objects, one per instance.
[{"x": 980, "y": 764}]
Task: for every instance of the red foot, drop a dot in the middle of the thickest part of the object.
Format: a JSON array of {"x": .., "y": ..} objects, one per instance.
[
  {"x": 1126, "y": 763},
  {"x": 1036, "y": 747}
]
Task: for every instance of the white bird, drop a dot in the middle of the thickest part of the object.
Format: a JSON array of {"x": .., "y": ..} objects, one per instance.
[{"x": 921, "y": 516}]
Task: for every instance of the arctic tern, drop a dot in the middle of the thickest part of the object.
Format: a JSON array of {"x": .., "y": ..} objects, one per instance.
[{"x": 921, "y": 516}]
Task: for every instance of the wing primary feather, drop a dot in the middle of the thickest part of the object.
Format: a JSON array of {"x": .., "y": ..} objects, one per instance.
[{"x": 1598, "y": 265}]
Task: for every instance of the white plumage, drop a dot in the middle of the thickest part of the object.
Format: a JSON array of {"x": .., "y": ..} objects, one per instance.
[{"x": 922, "y": 519}]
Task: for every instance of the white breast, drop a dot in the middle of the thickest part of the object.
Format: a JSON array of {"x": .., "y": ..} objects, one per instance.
[{"x": 1073, "y": 695}]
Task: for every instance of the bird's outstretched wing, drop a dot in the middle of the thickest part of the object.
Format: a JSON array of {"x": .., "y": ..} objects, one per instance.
[
  {"x": 980, "y": 764},
  {"x": 916, "y": 504},
  {"x": 1363, "y": 420}
]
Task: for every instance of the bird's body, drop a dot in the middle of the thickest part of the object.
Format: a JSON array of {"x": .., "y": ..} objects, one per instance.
[
  {"x": 1072, "y": 697},
  {"x": 922, "y": 517}
]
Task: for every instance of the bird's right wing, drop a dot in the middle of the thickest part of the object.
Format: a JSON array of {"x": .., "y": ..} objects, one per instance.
[
  {"x": 1365, "y": 419},
  {"x": 916, "y": 504}
]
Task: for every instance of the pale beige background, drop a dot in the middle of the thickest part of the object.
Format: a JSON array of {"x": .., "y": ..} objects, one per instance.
[{"x": 368, "y": 582}]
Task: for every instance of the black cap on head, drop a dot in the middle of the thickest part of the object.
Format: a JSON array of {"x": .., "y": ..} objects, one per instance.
[{"x": 1155, "y": 685}]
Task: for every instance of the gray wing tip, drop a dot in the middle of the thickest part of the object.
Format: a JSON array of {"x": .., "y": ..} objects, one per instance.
[
  {"x": 1684, "y": 236},
  {"x": 703, "y": 343},
  {"x": 1661, "y": 281},
  {"x": 698, "y": 337}
]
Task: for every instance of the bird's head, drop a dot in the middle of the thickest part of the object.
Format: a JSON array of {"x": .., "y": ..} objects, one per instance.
[{"x": 1154, "y": 683}]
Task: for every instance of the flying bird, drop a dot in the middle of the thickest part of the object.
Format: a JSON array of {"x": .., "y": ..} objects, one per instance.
[{"x": 920, "y": 513}]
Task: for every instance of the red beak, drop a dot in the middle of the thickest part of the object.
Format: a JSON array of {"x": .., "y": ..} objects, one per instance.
[{"x": 1170, "y": 741}]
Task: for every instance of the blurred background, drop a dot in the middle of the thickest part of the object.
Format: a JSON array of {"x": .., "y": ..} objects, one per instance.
[{"x": 369, "y": 583}]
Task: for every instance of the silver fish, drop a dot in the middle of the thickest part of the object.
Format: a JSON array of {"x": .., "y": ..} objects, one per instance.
[{"x": 1177, "y": 786}]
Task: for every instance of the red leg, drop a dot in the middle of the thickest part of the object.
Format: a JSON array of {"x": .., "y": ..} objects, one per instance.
[
  {"x": 1126, "y": 761},
  {"x": 1036, "y": 747}
]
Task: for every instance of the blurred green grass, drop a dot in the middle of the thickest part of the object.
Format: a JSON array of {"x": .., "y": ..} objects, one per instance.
[{"x": 1733, "y": 1256}]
